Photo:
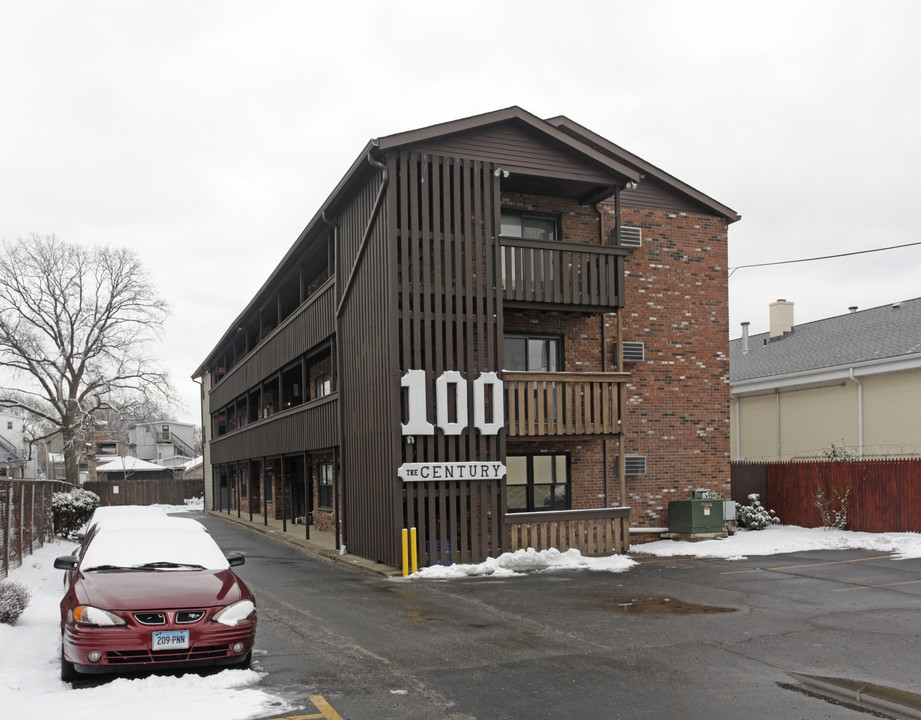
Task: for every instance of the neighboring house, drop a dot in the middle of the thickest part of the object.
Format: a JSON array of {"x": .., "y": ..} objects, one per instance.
[
  {"x": 166, "y": 442},
  {"x": 194, "y": 469},
  {"x": 487, "y": 320},
  {"x": 131, "y": 468},
  {"x": 852, "y": 381},
  {"x": 14, "y": 453}
]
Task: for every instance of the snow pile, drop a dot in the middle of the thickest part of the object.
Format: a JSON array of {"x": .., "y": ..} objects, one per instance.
[
  {"x": 773, "y": 540},
  {"x": 524, "y": 562},
  {"x": 190, "y": 505},
  {"x": 777, "y": 539},
  {"x": 30, "y": 666}
]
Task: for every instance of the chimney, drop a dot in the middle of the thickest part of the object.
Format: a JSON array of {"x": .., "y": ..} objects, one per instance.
[
  {"x": 853, "y": 308},
  {"x": 745, "y": 347},
  {"x": 781, "y": 318}
]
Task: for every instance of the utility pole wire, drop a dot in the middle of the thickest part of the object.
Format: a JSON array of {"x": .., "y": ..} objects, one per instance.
[{"x": 823, "y": 257}]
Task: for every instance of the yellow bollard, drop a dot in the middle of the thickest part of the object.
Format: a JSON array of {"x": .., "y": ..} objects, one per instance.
[
  {"x": 415, "y": 550},
  {"x": 405, "y": 554}
]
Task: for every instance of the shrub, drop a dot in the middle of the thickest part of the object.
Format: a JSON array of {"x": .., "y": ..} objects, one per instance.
[
  {"x": 755, "y": 516},
  {"x": 14, "y": 598},
  {"x": 72, "y": 509},
  {"x": 833, "y": 511}
]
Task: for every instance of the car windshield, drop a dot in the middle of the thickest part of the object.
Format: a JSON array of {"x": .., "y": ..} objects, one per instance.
[{"x": 170, "y": 544}]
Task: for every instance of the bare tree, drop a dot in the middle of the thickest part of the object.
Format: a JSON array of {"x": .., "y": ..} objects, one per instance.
[{"x": 75, "y": 323}]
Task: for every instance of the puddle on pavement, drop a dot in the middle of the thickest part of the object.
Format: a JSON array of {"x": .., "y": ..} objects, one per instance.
[{"x": 658, "y": 605}]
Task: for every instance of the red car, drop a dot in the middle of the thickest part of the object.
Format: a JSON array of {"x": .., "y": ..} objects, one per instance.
[{"x": 153, "y": 594}]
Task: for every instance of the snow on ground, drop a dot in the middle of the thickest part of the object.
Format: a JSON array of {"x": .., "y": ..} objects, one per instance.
[
  {"x": 773, "y": 540},
  {"x": 30, "y": 684},
  {"x": 777, "y": 539}
]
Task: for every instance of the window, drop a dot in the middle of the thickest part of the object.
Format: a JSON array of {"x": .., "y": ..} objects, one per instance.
[
  {"x": 323, "y": 385},
  {"x": 534, "y": 353},
  {"x": 9, "y": 424},
  {"x": 533, "y": 264},
  {"x": 529, "y": 226},
  {"x": 164, "y": 433},
  {"x": 537, "y": 482},
  {"x": 325, "y": 473},
  {"x": 243, "y": 482}
]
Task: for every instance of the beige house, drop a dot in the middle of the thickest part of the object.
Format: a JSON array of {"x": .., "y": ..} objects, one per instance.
[{"x": 852, "y": 381}]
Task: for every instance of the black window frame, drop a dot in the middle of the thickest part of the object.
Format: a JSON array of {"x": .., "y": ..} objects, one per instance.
[
  {"x": 557, "y": 503},
  {"x": 527, "y": 337},
  {"x": 324, "y": 486}
]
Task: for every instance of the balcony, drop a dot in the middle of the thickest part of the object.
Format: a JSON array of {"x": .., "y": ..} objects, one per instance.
[
  {"x": 542, "y": 404},
  {"x": 565, "y": 276}
]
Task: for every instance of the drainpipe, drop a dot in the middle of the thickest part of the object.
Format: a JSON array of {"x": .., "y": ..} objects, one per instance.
[
  {"x": 777, "y": 397},
  {"x": 859, "y": 412},
  {"x": 738, "y": 429}
]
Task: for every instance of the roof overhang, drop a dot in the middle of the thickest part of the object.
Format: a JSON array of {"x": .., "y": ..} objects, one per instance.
[{"x": 824, "y": 376}]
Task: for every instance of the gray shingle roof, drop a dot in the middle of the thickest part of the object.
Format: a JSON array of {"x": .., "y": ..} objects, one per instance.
[{"x": 885, "y": 332}]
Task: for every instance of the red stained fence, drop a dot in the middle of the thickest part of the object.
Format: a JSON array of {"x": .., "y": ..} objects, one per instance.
[
  {"x": 885, "y": 495},
  {"x": 25, "y": 518}
]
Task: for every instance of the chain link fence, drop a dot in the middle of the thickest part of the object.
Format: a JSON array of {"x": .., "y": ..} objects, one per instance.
[{"x": 26, "y": 521}]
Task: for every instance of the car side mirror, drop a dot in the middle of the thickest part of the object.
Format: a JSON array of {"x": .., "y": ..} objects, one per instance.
[
  {"x": 78, "y": 536},
  {"x": 235, "y": 558},
  {"x": 66, "y": 562}
]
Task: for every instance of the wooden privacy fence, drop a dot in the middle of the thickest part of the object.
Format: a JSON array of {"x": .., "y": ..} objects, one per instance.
[
  {"x": 885, "y": 495},
  {"x": 591, "y": 532},
  {"x": 162, "y": 491},
  {"x": 25, "y": 518}
]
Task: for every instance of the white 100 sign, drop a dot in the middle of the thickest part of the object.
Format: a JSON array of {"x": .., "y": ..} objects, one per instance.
[{"x": 417, "y": 405}]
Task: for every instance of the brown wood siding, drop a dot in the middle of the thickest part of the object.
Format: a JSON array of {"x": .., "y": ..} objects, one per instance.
[
  {"x": 367, "y": 377},
  {"x": 518, "y": 146},
  {"x": 654, "y": 195},
  {"x": 312, "y": 426},
  {"x": 310, "y": 325},
  {"x": 446, "y": 218}
]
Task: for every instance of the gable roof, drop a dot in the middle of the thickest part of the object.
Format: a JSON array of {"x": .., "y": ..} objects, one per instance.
[
  {"x": 606, "y": 147},
  {"x": 615, "y": 168},
  {"x": 878, "y": 335}
]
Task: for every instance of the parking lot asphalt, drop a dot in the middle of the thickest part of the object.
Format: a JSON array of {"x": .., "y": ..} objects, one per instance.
[{"x": 830, "y": 634}]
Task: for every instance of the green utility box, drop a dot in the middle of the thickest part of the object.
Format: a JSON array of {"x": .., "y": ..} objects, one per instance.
[{"x": 691, "y": 517}]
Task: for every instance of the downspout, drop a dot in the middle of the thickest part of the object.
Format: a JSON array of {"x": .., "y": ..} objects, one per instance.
[
  {"x": 336, "y": 345},
  {"x": 604, "y": 368},
  {"x": 859, "y": 412},
  {"x": 777, "y": 405},
  {"x": 738, "y": 429}
]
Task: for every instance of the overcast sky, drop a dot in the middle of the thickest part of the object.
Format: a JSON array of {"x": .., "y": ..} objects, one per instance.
[{"x": 206, "y": 134}]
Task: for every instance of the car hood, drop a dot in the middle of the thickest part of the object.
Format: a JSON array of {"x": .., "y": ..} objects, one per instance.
[{"x": 157, "y": 589}]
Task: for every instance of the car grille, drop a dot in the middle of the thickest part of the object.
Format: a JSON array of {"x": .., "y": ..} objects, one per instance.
[
  {"x": 183, "y": 617},
  {"x": 135, "y": 657},
  {"x": 189, "y": 616},
  {"x": 151, "y": 618}
]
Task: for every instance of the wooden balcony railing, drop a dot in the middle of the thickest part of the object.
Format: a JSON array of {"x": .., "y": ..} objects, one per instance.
[
  {"x": 592, "y": 532},
  {"x": 563, "y": 274},
  {"x": 539, "y": 404}
]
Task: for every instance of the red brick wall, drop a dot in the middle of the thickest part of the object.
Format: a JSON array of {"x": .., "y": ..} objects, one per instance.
[
  {"x": 678, "y": 400},
  {"x": 678, "y": 403}
]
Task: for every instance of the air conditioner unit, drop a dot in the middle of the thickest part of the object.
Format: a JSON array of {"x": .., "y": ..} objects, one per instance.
[{"x": 630, "y": 236}]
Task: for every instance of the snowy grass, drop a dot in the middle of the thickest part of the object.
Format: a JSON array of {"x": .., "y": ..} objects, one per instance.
[{"x": 30, "y": 684}]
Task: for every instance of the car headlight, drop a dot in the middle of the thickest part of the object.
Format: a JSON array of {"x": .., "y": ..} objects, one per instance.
[
  {"x": 89, "y": 615},
  {"x": 235, "y": 612}
]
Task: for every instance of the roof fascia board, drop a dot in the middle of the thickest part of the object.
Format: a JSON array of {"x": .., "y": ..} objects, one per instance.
[
  {"x": 413, "y": 137},
  {"x": 307, "y": 232},
  {"x": 561, "y": 121},
  {"x": 824, "y": 376}
]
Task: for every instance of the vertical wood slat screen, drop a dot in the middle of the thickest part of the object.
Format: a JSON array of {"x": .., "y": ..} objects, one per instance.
[{"x": 449, "y": 319}]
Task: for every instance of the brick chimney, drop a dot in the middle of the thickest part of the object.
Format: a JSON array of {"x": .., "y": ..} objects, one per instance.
[{"x": 781, "y": 317}]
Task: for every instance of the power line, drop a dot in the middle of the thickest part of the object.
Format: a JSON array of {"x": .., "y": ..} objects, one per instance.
[{"x": 823, "y": 257}]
